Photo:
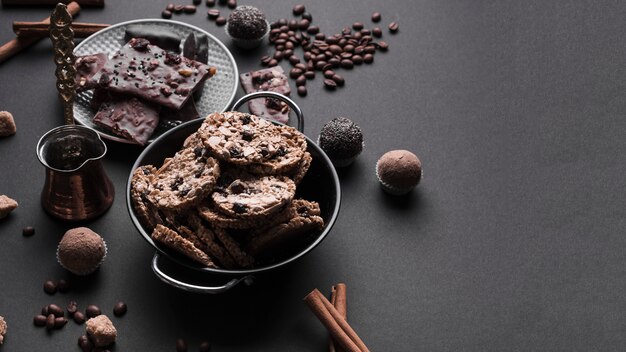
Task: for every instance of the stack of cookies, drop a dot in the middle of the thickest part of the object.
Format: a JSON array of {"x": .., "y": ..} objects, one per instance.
[{"x": 226, "y": 199}]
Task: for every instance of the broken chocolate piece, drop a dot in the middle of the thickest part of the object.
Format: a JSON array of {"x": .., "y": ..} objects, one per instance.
[
  {"x": 187, "y": 112},
  {"x": 130, "y": 118},
  {"x": 153, "y": 74},
  {"x": 86, "y": 67},
  {"x": 270, "y": 79},
  {"x": 189, "y": 47},
  {"x": 156, "y": 35}
]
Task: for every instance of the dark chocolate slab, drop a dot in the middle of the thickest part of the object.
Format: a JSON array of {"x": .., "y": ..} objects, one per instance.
[
  {"x": 129, "y": 118},
  {"x": 86, "y": 68},
  {"x": 187, "y": 112},
  {"x": 271, "y": 79},
  {"x": 153, "y": 74}
]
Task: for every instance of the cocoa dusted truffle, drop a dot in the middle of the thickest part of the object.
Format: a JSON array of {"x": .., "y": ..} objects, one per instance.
[
  {"x": 247, "y": 26},
  {"x": 81, "y": 251},
  {"x": 342, "y": 140},
  {"x": 399, "y": 171}
]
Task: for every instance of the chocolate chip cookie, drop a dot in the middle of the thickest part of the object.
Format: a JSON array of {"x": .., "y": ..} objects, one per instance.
[
  {"x": 140, "y": 187},
  {"x": 173, "y": 240},
  {"x": 184, "y": 180}
]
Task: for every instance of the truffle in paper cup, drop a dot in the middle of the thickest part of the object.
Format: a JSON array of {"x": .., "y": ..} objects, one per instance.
[
  {"x": 247, "y": 27},
  {"x": 398, "y": 172},
  {"x": 81, "y": 251}
]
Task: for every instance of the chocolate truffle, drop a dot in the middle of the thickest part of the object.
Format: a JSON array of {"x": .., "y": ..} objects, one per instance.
[
  {"x": 7, "y": 205},
  {"x": 101, "y": 331},
  {"x": 399, "y": 171},
  {"x": 342, "y": 140},
  {"x": 7, "y": 124},
  {"x": 3, "y": 329},
  {"x": 81, "y": 251},
  {"x": 247, "y": 26}
]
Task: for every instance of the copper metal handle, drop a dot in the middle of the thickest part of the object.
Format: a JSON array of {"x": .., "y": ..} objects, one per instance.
[
  {"x": 62, "y": 37},
  {"x": 248, "y": 280},
  {"x": 296, "y": 109}
]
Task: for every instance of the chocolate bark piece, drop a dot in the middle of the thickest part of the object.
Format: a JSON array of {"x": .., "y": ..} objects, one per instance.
[
  {"x": 245, "y": 139},
  {"x": 147, "y": 213},
  {"x": 246, "y": 196},
  {"x": 199, "y": 52},
  {"x": 187, "y": 112},
  {"x": 184, "y": 180},
  {"x": 189, "y": 47},
  {"x": 130, "y": 118},
  {"x": 153, "y": 74},
  {"x": 271, "y": 79},
  {"x": 7, "y": 205},
  {"x": 173, "y": 240},
  {"x": 86, "y": 68},
  {"x": 101, "y": 331},
  {"x": 282, "y": 236},
  {"x": 156, "y": 35},
  {"x": 243, "y": 259}
]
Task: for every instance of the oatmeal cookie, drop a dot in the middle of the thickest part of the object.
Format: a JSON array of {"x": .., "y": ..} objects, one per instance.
[
  {"x": 147, "y": 213},
  {"x": 173, "y": 240}
]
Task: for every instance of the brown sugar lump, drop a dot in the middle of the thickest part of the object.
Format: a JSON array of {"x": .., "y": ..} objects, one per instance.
[
  {"x": 101, "y": 331},
  {"x": 3, "y": 330},
  {"x": 7, "y": 205},
  {"x": 7, "y": 124}
]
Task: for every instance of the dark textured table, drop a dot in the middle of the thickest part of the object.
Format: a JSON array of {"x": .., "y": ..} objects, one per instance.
[{"x": 513, "y": 241}]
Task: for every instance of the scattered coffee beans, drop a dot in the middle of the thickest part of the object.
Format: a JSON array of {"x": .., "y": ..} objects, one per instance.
[
  {"x": 205, "y": 346},
  {"x": 393, "y": 27},
  {"x": 40, "y": 320},
  {"x": 213, "y": 13},
  {"x": 120, "y": 309},
  {"x": 181, "y": 345},
  {"x": 92, "y": 311},
  {"x": 298, "y": 9},
  {"x": 50, "y": 322},
  {"x": 330, "y": 84},
  {"x": 59, "y": 322},
  {"x": 210, "y": 3},
  {"x": 189, "y": 9},
  {"x": 232, "y": 4},
  {"x": 72, "y": 308},
  {"x": 84, "y": 344},
  {"x": 55, "y": 310},
  {"x": 376, "y": 17},
  {"x": 178, "y": 8},
  {"x": 63, "y": 286},
  {"x": 302, "y": 91},
  {"x": 50, "y": 287},
  {"x": 338, "y": 79},
  {"x": 197, "y": 2},
  {"x": 79, "y": 318},
  {"x": 166, "y": 14},
  {"x": 170, "y": 7},
  {"x": 220, "y": 21},
  {"x": 28, "y": 231}
]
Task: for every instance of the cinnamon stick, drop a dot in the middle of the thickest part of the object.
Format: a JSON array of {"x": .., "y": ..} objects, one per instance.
[
  {"x": 339, "y": 299},
  {"x": 95, "y": 3},
  {"x": 40, "y": 29},
  {"x": 16, "y": 45},
  {"x": 336, "y": 325}
]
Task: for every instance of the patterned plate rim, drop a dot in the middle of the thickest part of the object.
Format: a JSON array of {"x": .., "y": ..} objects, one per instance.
[{"x": 112, "y": 137}]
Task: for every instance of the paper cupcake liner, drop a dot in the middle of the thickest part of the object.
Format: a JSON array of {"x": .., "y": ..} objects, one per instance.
[
  {"x": 88, "y": 271},
  {"x": 395, "y": 191},
  {"x": 344, "y": 162},
  {"x": 248, "y": 43}
]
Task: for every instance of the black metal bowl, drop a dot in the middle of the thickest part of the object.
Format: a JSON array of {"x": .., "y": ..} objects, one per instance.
[{"x": 321, "y": 184}]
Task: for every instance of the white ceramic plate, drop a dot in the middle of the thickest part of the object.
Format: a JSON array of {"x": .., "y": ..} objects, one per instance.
[{"x": 219, "y": 90}]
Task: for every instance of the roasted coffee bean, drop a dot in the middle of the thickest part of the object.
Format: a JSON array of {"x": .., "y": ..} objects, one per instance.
[
  {"x": 295, "y": 73},
  {"x": 370, "y": 49},
  {"x": 330, "y": 84},
  {"x": 332, "y": 40},
  {"x": 220, "y": 21},
  {"x": 273, "y": 25},
  {"x": 280, "y": 47},
  {"x": 327, "y": 67},
  {"x": 301, "y": 66},
  {"x": 290, "y": 45},
  {"x": 298, "y": 9},
  {"x": 306, "y": 56},
  {"x": 59, "y": 322},
  {"x": 44, "y": 311},
  {"x": 383, "y": 46},
  {"x": 63, "y": 286},
  {"x": 307, "y": 16},
  {"x": 346, "y": 55},
  {"x": 293, "y": 25},
  {"x": 357, "y": 59},
  {"x": 329, "y": 73},
  {"x": 282, "y": 22},
  {"x": 368, "y": 58},
  {"x": 302, "y": 91},
  {"x": 279, "y": 41},
  {"x": 338, "y": 79},
  {"x": 72, "y": 308},
  {"x": 166, "y": 14},
  {"x": 232, "y": 4},
  {"x": 197, "y": 2},
  {"x": 272, "y": 63},
  {"x": 278, "y": 55},
  {"x": 335, "y": 49},
  {"x": 213, "y": 13},
  {"x": 92, "y": 311},
  {"x": 313, "y": 30},
  {"x": 357, "y": 36},
  {"x": 265, "y": 60},
  {"x": 205, "y": 346},
  {"x": 304, "y": 24},
  {"x": 320, "y": 36},
  {"x": 170, "y": 7},
  {"x": 79, "y": 318},
  {"x": 50, "y": 287},
  {"x": 178, "y": 8},
  {"x": 310, "y": 66},
  {"x": 189, "y": 9},
  {"x": 210, "y": 3},
  {"x": 366, "y": 31},
  {"x": 50, "y": 322},
  {"x": 309, "y": 74},
  {"x": 300, "y": 81},
  {"x": 376, "y": 16},
  {"x": 393, "y": 27},
  {"x": 342, "y": 42},
  {"x": 55, "y": 310},
  {"x": 287, "y": 53},
  {"x": 294, "y": 59},
  {"x": 320, "y": 65},
  {"x": 84, "y": 344},
  {"x": 40, "y": 320},
  {"x": 181, "y": 345},
  {"x": 345, "y": 63},
  {"x": 320, "y": 57},
  {"x": 357, "y": 26},
  {"x": 366, "y": 40},
  {"x": 359, "y": 50},
  {"x": 346, "y": 31},
  {"x": 284, "y": 28},
  {"x": 349, "y": 48},
  {"x": 120, "y": 309},
  {"x": 28, "y": 231}
]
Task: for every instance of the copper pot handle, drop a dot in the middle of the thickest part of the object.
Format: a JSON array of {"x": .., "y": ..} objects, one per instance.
[
  {"x": 294, "y": 107},
  {"x": 248, "y": 280}
]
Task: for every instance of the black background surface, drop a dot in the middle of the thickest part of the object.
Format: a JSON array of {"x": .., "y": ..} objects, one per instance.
[{"x": 513, "y": 241}]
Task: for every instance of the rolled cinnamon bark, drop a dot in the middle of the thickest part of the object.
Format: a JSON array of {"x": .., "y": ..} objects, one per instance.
[
  {"x": 95, "y": 3},
  {"x": 40, "y": 29},
  {"x": 336, "y": 325},
  {"x": 16, "y": 45},
  {"x": 339, "y": 300}
]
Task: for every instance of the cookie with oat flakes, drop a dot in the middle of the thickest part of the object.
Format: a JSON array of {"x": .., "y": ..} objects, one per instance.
[{"x": 173, "y": 240}]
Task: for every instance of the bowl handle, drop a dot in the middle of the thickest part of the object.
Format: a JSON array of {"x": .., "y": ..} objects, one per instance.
[
  {"x": 296, "y": 109},
  {"x": 195, "y": 288}
]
